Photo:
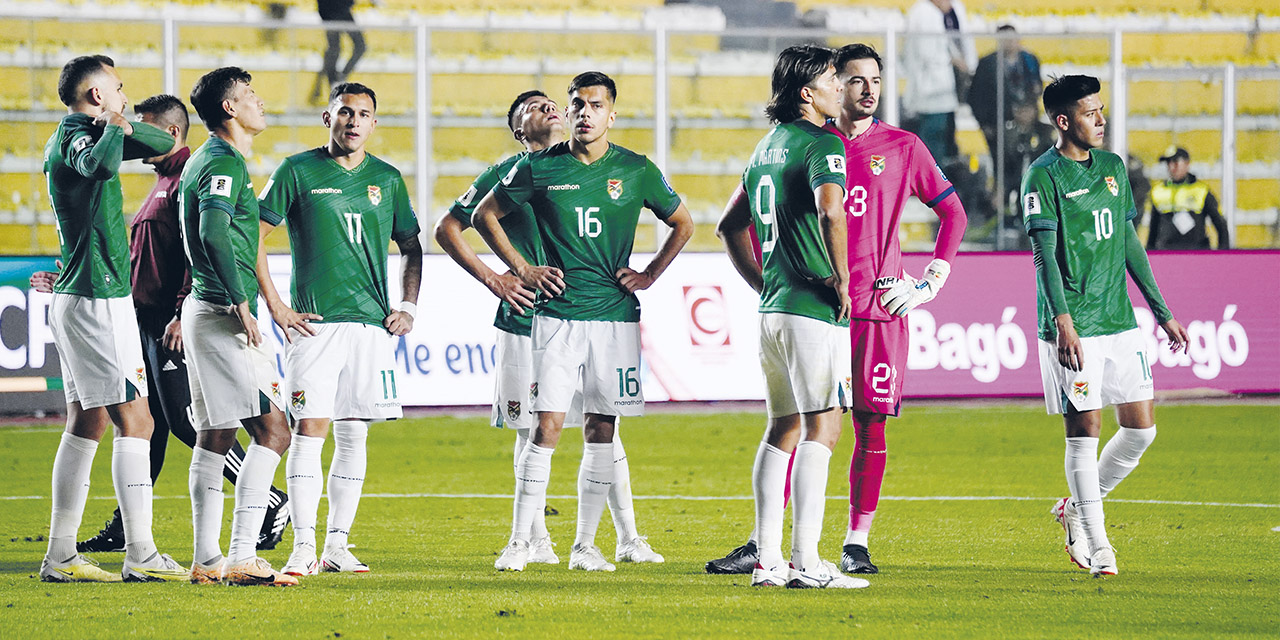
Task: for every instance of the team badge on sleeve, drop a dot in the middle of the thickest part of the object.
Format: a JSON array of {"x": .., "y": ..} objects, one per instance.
[
  {"x": 220, "y": 186},
  {"x": 1112, "y": 186},
  {"x": 513, "y": 409},
  {"x": 877, "y": 165},
  {"x": 835, "y": 163},
  {"x": 298, "y": 399},
  {"x": 1030, "y": 204},
  {"x": 614, "y": 188},
  {"x": 375, "y": 194}
]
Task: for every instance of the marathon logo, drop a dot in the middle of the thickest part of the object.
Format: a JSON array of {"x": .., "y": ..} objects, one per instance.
[
  {"x": 563, "y": 187},
  {"x": 326, "y": 190}
]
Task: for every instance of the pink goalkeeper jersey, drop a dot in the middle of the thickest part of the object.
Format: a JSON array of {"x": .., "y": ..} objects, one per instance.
[{"x": 885, "y": 166}]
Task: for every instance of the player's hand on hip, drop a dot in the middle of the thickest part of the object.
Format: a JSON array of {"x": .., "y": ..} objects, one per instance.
[
  {"x": 1070, "y": 351},
  {"x": 846, "y": 303},
  {"x": 509, "y": 288},
  {"x": 172, "y": 339},
  {"x": 288, "y": 319},
  {"x": 249, "y": 323},
  {"x": 549, "y": 280},
  {"x": 43, "y": 281},
  {"x": 909, "y": 293},
  {"x": 1178, "y": 337},
  {"x": 398, "y": 323},
  {"x": 633, "y": 280}
]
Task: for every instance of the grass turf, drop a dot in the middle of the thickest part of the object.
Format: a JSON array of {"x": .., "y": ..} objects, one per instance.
[{"x": 967, "y": 568}]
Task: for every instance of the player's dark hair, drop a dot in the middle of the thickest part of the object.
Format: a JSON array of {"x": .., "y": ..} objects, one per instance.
[
  {"x": 75, "y": 72},
  {"x": 857, "y": 51},
  {"x": 212, "y": 89},
  {"x": 797, "y": 68},
  {"x": 594, "y": 79},
  {"x": 1064, "y": 91},
  {"x": 166, "y": 108},
  {"x": 1006, "y": 27},
  {"x": 519, "y": 102},
  {"x": 353, "y": 89}
]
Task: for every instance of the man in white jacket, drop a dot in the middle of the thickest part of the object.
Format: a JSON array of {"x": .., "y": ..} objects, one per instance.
[{"x": 935, "y": 55}]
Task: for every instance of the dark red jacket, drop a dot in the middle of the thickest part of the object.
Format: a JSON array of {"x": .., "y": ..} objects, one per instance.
[{"x": 160, "y": 275}]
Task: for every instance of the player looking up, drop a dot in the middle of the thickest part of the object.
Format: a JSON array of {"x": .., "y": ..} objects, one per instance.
[
  {"x": 586, "y": 195},
  {"x": 343, "y": 206},
  {"x": 232, "y": 376},
  {"x": 793, "y": 192},
  {"x": 1079, "y": 210},
  {"x": 536, "y": 123}
]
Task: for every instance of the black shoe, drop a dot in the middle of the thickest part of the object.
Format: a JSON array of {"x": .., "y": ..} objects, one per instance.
[
  {"x": 109, "y": 540},
  {"x": 740, "y": 560},
  {"x": 273, "y": 524},
  {"x": 855, "y": 559}
]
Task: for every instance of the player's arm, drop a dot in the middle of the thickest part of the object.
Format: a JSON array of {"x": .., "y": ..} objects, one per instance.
[
  {"x": 448, "y": 234},
  {"x": 273, "y": 206},
  {"x": 515, "y": 188},
  {"x": 662, "y": 200},
  {"x": 1219, "y": 222},
  {"x": 936, "y": 192},
  {"x": 147, "y": 141},
  {"x": 98, "y": 159},
  {"x": 172, "y": 339},
  {"x": 400, "y": 321},
  {"x": 829, "y": 198},
  {"x": 734, "y": 230},
  {"x": 1139, "y": 268},
  {"x": 215, "y": 210},
  {"x": 1040, "y": 217}
]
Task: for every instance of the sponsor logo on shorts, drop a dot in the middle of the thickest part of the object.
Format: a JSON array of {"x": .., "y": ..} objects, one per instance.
[
  {"x": 627, "y": 403},
  {"x": 533, "y": 392},
  {"x": 513, "y": 409},
  {"x": 375, "y": 194},
  {"x": 555, "y": 187},
  {"x": 888, "y": 399},
  {"x": 877, "y": 165},
  {"x": 298, "y": 399},
  {"x": 1080, "y": 390},
  {"x": 386, "y": 405},
  {"x": 326, "y": 190},
  {"x": 614, "y": 187},
  {"x": 1112, "y": 186}
]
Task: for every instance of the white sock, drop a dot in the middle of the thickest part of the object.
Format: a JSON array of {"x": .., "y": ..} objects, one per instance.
[
  {"x": 1121, "y": 456},
  {"x": 532, "y": 475},
  {"x": 71, "y": 466},
  {"x": 303, "y": 478},
  {"x": 856, "y": 537},
  {"x": 621, "y": 506},
  {"x": 131, "y": 475},
  {"x": 808, "y": 492},
  {"x": 1081, "y": 465},
  {"x": 595, "y": 478},
  {"x": 204, "y": 481},
  {"x": 346, "y": 479},
  {"x": 539, "y": 529},
  {"x": 253, "y": 491},
  {"x": 768, "y": 484}
]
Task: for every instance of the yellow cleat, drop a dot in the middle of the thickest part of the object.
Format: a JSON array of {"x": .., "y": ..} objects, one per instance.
[
  {"x": 158, "y": 568},
  {"x": 205, "y": 574},
  {"x": 77, "y": 568},
  {"x": 255, "y": 572}
]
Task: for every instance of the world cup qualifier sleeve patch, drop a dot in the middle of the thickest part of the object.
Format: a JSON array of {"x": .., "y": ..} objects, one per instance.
[{"x": 220, "y": 186}]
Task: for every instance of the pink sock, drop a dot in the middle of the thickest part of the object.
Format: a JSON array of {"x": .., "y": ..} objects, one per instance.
[
  {"x": 786, "y": 491},
  {"x": 866, "y": 472}
]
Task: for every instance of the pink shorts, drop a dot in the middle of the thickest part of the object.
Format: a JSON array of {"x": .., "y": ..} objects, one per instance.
[{"x": 879, "y": 362}]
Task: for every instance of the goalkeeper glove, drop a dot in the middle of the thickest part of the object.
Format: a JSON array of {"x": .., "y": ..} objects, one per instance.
[{"x": 909, "y": 293}]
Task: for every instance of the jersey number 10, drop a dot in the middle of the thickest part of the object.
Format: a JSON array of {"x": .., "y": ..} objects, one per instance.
[{"x": 1103, "y": 226}]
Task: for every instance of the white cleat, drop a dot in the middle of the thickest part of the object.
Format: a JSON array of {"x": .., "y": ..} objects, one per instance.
[
  {"x": 158, "y": 568},
  {"x": 1077, "y": 546},
  {"x": 514, "y": 557},
  {"x": 637, "y": 550},
  {"x": 588, "y": 558},
  {"x": 772, "y": 577},
  {"x": 1104, "y": 562},
  {"x": 340, "y": 560},
  {"x": 542, "y": 551},
  {"x": 302, "y": 561},
  {"x": 824, "y": 576}
]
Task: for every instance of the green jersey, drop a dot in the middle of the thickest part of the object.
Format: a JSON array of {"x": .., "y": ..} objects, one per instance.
[
  {"x": 340, "y": 223},
  {"x": 220, "y": 225},
  {"x": 81, "y": 162},
  {"x": 521, "y": 230},
  {"x": 788, "y": 164},
  {"x": 1085, "y": 204},
  {"x": 586, "y": 215}
]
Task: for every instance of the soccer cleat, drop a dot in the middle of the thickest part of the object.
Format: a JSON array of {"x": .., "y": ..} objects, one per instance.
[
  {"x": 109, "y": 540},
  {"x": 340, "y": 560},
  {"x": 255, "y": 571},
  {"x": 1077, "y": 546},
  {"x": 514, "y": 557},
  {"x": 773, "y": 577},
  {"x": 158, "y": 568},
  {"x": 206, "y": 573},
  {"x": 542, "y": 552},
  {"x": 856, "y": 559},
  {"x": 273, "y": 525},
  {"x": 637, "y": 550},
  {"x": 741, "y": 560},
  {"x": 1104, "y": 562},
  {"x": 588, "y": 558},
  {"x": 77, "y": 568},
  {"x": 823, "y": 576},
  {"x": 302, "y": 562}
]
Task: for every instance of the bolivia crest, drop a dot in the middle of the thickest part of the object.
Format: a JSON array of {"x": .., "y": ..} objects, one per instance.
[
  {"x": 375, "y": 194},
  {"x": 513, "y": 409},
  {"x": 298, "y": 399},
  {"x": 533, "y": 392},
  {"x": 877, "y": 165},
  {"x": 275, "y": 389},
  {"x": 1112, "y": 186},
  {"x": 614, "y": 188},
  {"x": 1080, "y": 390},
  {"x": 141, "y": 374}
]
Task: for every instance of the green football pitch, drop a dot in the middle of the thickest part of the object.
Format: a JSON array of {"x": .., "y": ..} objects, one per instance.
[{"x": 963, "y": 537}]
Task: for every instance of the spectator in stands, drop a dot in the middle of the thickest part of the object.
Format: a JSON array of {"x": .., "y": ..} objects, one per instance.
[
  {"x": 1138, "y": 182},
  {"x": 937, "y": 60},
  {"x": 337, "y": 11},
  {"x": 1026, "y": 137},
  {"x": 1022, "y": 86},
  {"x": 1180, "y": 207}
]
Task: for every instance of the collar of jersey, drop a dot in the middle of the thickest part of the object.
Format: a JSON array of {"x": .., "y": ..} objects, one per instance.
[
  {"x": 569, "y": 152},
  {"x": 324, "y": 151}
]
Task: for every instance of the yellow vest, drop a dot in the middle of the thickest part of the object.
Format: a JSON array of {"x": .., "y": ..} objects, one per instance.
[{"x": 1169, "y": 197}]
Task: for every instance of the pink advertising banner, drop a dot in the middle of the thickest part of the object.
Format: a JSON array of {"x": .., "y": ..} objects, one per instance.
[{"x": 979, "y": 337}]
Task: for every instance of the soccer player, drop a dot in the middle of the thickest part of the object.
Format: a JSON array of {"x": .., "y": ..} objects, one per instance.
[
  {"x": 94, "y": 327},
  {"x": 793, "y": 192},
  {"x": 1091, "y": 352},
  {"x": 232, "y": 376},
  {"x": 886, "y": 165},
  {"x": 536, "y": 123},
  {"x": 586, "y": 195},
  {"x": 343, "y": 206}
]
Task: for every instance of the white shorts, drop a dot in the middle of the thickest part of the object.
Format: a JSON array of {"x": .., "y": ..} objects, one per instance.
[
  {"x": 1116, "y": 370},
  {"x": 347, "y": 370},
  {"x": 230, "y": 380},
  {"x": 807, "y": 363},
  {"x": 600, "y": 358},
  {"x": 99, "y": 349},
  {"x": 512, "y": 407}
]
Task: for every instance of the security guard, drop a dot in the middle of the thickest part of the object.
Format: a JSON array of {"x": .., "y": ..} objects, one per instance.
[{"x": 1180, "y": 206}]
